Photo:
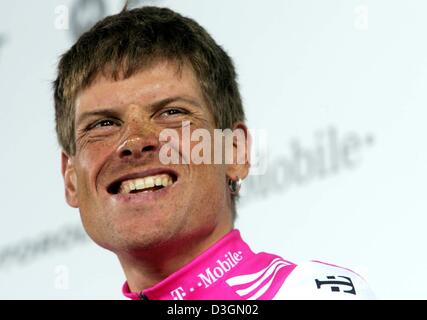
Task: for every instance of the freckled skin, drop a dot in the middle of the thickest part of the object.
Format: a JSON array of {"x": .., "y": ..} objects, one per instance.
[{"x": 169, "y": 232}]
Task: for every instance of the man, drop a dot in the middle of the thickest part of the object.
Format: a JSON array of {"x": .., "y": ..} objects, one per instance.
[{"x": 126, "y": 82}]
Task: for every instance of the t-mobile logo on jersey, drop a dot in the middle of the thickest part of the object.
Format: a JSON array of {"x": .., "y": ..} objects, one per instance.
[
  {"x": 223, "y": 266},
  {"x": 178, "y": 293},
  {"x": 211, "y": 274},
  {"x": 337, "y": 285}
]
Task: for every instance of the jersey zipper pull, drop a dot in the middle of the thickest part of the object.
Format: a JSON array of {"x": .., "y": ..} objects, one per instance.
[{"x": 142, "y": 296}]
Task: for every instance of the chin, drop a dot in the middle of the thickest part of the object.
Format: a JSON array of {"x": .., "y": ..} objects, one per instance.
[{"x": 140, "y": 235}]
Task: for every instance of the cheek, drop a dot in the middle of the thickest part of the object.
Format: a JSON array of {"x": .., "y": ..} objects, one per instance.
[
  {"x": 211, "y": 177},
  {"x": 204, "y": 147},
  {"x": 209, "y": 195},
  {"x": 90, "y": 161},
  {"x": 210, "y": 182}
]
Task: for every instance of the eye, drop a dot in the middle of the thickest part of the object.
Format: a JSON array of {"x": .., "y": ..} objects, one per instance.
[
  {"x": 103, "y": 123},
  {"x": 171, "y": 112}
]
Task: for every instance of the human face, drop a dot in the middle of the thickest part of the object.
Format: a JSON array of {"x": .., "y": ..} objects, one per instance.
[{"x": 118, "y": 124}]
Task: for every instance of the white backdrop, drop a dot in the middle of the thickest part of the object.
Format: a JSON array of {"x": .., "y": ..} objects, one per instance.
[{"x": 340, "y": 87}]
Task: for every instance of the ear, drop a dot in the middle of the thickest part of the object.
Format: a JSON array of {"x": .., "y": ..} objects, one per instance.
[
  {"x": 70, "y": 180},
  {"x": 241, "y": 152}
]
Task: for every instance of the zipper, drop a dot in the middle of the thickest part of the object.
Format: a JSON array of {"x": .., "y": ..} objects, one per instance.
[{"x": 142, "y": 296}]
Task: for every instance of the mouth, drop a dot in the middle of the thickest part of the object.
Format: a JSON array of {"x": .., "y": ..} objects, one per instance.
[{"x": 143, "y": 182}]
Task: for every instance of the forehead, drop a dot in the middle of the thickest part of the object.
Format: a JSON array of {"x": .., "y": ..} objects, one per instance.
[{"x": 158, "y": 81}]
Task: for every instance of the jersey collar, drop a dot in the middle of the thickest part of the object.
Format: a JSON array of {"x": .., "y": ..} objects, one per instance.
[{"x": 227, "y": 270}]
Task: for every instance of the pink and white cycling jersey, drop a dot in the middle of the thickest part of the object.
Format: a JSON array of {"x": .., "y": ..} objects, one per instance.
[{"x": 229, "y": 270}]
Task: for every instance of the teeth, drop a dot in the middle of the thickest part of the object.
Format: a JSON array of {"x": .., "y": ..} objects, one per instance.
[
  {"x": 158, "y": 181},
  {"x": 125, "y": 188},
  {"x": 145, "y": 183},
  {"x": 139, "y": 184},
  {"x": 165, "y": 181},
  {"x": 149, "y": 182}
]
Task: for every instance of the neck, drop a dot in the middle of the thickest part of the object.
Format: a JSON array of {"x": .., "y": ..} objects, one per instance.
[{"x": 143, "y": 269}]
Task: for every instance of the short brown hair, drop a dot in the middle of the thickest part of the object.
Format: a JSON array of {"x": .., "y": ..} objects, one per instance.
[{"x": 121, "y": 45}]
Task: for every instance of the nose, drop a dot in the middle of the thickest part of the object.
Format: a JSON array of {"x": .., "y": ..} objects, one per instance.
[
  {"x": 138, "y": 146},
  {"x": 140, "y": 136}
]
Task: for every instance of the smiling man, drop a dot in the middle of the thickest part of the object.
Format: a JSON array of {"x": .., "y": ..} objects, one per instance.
[{"x": 125, "y": 82}]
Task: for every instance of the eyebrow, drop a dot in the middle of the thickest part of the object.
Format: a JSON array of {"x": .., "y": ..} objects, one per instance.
[
  {"x": 166, "y": 101},
  {"x": 152, "y": 107},
  {"x": 102, "y": 112}
]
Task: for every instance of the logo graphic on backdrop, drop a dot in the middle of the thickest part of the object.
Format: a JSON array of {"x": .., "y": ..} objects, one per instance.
[
  {"x": 29, "y": 250},
  {"x": 85, "y": 13},
  {"x": 329, "y": 153}
]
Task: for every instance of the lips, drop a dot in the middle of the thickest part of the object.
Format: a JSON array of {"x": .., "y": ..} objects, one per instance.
[{"x": 143, "y": 181}]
